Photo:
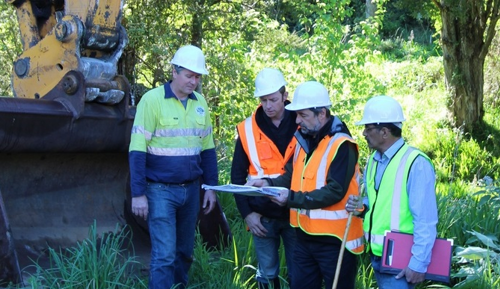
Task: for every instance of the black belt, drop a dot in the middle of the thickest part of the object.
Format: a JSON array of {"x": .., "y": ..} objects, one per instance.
[
  {"x": 182, "y": 184},
  {"x": 186, "y": 183}
]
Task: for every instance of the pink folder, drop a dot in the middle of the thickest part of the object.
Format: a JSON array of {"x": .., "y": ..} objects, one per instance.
[{"x": 397, "y": 253}]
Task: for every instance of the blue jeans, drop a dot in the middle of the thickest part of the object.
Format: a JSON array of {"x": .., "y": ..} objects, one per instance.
[
  {"x": 388, "y": 281},
  {"x": 173, "y": 211},
  {"x": 267, "y": 248},
  {"x": 315, "y": 263}
]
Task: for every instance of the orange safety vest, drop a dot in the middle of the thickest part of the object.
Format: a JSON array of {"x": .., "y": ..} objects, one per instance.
[
  {"x": 265, "y": 158},
  {"x": 311, "y": 175}
]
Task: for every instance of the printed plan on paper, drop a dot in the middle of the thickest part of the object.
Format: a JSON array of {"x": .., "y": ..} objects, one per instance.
[{"x": 246, "y": 190}]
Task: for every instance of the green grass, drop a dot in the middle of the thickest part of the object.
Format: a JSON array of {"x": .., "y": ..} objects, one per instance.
[{"x": 96, "y": 262}]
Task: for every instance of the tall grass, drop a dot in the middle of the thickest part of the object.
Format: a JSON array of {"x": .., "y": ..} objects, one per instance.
[
  {"x": 232, "y": 267},
  {"x": 96, "y": 262}
]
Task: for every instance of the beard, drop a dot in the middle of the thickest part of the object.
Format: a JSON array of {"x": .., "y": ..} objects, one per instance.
[{"x": 312, "y": 131}]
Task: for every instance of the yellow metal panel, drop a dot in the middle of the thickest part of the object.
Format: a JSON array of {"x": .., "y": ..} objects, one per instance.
[
  {"x": 27, "y": 25},
  {"x": 107, "y": 13},
  {"x": 48, "y": 61},
  {"x": 79, "y": 8}
]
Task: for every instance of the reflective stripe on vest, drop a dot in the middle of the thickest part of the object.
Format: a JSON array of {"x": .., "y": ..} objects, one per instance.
[
  {"x": 355, "y": 245},
  {"x": 320, "y": 214},
  {"x": 262, "y": 165},
  {"x": 311, "y": 175},
  {"x": 374, "y": 239},
  {"x": 398, "y": 184},
  {"x": 252, "y": 148}
]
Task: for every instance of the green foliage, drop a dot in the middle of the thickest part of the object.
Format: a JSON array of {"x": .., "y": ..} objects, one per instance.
[
  {"x": 479, "y": 266},
  {"x": 234, "y": 267},
  {"x": 471, "y": 220},
  {"x": 365, "y": 277},
  {"x": 337, "y": 52},
  {"x": 492, "y": 75},
  {"x": 489, "y": 194},
  {"x": 405, "y": 18},
  {"x": 96, "y": 262},
  {"x": 10, "y": 45}
]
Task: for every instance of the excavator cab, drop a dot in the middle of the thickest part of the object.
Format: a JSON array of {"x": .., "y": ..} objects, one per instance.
[{"x": 64, "y": 135}]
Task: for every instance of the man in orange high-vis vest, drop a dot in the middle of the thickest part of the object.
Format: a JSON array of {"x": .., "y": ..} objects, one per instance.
[
  {"x": 323, "y": 173},
  {"x": 265, "y": 144}
]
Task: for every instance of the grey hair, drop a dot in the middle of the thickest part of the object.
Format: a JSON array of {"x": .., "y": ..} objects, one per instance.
[
  {"x": 178, "y": 68},
  {"x": 317, "y": 110}
]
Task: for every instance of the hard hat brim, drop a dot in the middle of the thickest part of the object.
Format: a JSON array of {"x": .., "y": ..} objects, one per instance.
[
  {"x": 199, "y": 71},
  {"x": 396, "y": 123},
  {"x": 292, "y": 107},
  {"x": 361, "y": 122},
  {"x": 297, "y": 107},
  {"x": 269, "y": 91}
]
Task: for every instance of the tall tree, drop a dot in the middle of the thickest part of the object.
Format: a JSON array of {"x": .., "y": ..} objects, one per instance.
[
  {"x": 371, "y": 8},
  {"x": 468, "y": 28}
]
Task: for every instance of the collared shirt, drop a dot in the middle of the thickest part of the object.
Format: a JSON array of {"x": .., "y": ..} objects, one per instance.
[
  {"x": 171, "y": 143},
  {"x": 422, "y": 202}
]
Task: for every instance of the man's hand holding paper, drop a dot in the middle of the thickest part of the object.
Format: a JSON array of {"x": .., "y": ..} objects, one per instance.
[
  {"x": 257, "y": 183},
  {"x": 282, "y": 199}
]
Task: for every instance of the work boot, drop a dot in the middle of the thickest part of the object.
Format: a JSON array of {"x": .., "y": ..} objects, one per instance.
[
  {"x": 276, "y": 283},
  {"x": 273, "y": 283}
]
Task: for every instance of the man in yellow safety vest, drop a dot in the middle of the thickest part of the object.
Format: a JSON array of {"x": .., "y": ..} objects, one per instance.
[{"x": 400, "y": 184}]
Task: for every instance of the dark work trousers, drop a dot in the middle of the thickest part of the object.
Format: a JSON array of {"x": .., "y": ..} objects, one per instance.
[{"x": 315, "y": 262}]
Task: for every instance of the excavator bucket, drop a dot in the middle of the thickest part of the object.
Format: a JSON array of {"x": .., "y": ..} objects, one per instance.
[
  {"x": 63, "y": 164},
  {"x": 10, "y": 266}
]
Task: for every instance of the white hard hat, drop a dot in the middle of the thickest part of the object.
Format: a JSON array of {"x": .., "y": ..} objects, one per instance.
[
  {"x": 382, "y": 109},
  {"x": 190, "y": 57},
  {"x": 269, "y": 80},
  {"x": 310, "y": 94}
]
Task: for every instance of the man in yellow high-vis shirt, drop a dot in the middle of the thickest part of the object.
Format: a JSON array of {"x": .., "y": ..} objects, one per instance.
[{"x": 171, "y": 147}]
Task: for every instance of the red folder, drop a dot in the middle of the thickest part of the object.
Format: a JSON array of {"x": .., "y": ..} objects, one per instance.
[{"x": 397, "y": 253}]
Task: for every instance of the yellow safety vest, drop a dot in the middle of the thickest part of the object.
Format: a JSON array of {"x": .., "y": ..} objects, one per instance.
[{"x": 389, "y": 206}]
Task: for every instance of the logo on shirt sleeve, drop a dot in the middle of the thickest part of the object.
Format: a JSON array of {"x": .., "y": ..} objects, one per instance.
[{"x": 200, "y": 111}]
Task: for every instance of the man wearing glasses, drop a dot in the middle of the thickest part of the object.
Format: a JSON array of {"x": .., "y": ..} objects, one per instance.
[{"x": 409, "y": 207}]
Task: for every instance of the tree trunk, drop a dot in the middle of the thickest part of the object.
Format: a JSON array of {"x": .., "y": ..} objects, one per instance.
[
  {"x": 466, "y": 36},
  {"x": 463, "y": 68},
  {"x": 371, "y": 8}
]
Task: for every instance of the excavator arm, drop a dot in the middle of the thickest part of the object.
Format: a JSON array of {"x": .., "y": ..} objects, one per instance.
[{"x": 71, "y": 36}]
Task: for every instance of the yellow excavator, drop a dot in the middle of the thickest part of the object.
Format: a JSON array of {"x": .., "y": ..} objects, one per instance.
[{"x": 64, "y": 135}]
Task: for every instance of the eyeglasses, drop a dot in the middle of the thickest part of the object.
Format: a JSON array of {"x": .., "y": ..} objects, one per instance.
[{"x": 369, "y": 129}]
